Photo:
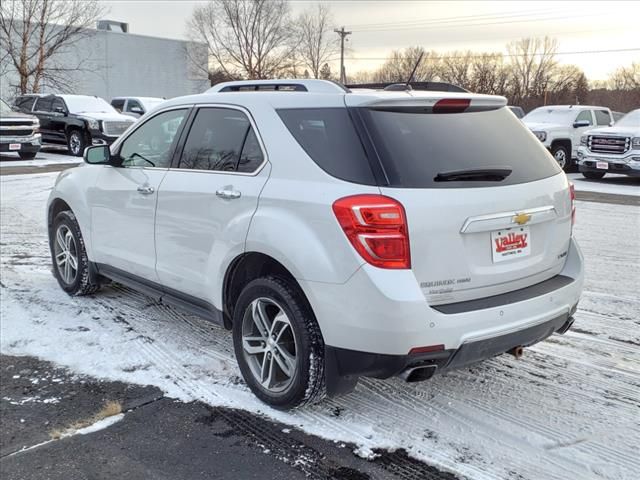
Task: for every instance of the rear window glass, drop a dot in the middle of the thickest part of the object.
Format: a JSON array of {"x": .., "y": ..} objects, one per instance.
[
  {"x": 330, "y": 139},
  {"x": 416, "y": 147}
]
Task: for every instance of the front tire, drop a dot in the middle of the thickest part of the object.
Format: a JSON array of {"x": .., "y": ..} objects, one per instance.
[
  {"x": 76, "y": 142},
  {"x": 70, "y": 262},
  {"x": 278, "y": 344},
  {"x": 27, "y": 155},
  {"x": 593, "y": 175},
  {"x": 562, "y": 156}
]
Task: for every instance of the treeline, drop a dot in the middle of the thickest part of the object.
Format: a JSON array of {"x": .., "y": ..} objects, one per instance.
[{"x": 528, "y": 75}]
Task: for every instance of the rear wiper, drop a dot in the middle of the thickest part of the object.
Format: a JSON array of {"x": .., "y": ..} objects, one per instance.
[{"x": 481, "y": 174}]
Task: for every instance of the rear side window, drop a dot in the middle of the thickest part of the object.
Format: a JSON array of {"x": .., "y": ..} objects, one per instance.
[
  {"x": 602, "y": 117},
  {"x": 416, "y": 147},
  {"x": 330, "y": 139},
  {"x": 221, "y": 139}
]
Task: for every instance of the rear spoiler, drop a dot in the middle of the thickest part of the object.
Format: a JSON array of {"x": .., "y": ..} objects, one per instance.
[
  {"x": 424, "y": 86},
  {"x": 453, "y": 104}
]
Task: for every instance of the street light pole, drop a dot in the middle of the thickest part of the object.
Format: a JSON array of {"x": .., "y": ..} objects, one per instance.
[{"x": 343, "y": 34}]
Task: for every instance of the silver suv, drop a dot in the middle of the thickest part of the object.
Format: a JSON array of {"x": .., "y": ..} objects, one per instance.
[{"x": 338, "y": 233}]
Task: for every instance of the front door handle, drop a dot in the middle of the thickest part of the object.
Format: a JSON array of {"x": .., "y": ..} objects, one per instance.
[
  {"x": 228, "y": 194},
  {"x": 145, "y": 189}
]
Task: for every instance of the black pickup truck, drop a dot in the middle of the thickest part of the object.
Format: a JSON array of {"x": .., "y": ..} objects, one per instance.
[
  {"x": 77, "y": 121},
  {"x": 19, "y": 133}
]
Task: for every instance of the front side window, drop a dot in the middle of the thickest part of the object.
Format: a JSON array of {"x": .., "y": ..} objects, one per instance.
[
  {"x": 150, "y": 145},
  {"x": 58, "y": 105},
  {"x": 602, "y": 118},
  {"x": 221, "y": 139},
  {"x": 584, "y": 115},
  {"x": 43, "y": 104},
  {"x": 118, "y": 104},
  {"x": 134, "y": 104}
]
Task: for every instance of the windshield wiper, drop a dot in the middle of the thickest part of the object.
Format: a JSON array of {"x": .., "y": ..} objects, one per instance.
[{"x": 480, "y": 174}]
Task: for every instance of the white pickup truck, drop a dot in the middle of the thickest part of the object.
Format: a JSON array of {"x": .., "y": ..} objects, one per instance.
[
  {"x": 559, "y": 128},
  {"x": 612, "y": 149}
]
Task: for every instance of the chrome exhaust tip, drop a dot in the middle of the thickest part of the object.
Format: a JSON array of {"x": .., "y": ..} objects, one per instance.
[
  {"x": 565, "y": 328},
  {"x": 517, "y": 352},
  {"x": 418, "y": 374}
]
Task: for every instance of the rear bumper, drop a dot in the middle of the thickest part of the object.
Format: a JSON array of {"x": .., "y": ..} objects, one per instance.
[
  {"x": 384, "y": 312},
  {"x": 345, "y": 366}
]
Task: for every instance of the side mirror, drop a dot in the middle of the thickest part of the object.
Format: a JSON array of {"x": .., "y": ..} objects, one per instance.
[
  {"x": 97, "y": 155},
  {"x": 60, "y": 110},
  {"x": 581, "y": 123},
  {"x": 136, "y": 110}
]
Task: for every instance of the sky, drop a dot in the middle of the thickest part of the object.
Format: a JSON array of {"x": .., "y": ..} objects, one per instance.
[{"x": 381, "y": 26}]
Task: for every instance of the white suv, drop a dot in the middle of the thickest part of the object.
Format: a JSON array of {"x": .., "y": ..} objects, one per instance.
[
  {"x": 559, "y": 128},
  {"x": 612, "y": 149},
  {"x": 339, "y": 234}
]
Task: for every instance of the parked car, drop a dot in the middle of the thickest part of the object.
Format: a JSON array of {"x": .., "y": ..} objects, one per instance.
[
  {"x": 338, "y": 234},
  {"x": 559, "y": 128},
  {"x": 19, "y": 133},
  {"x": 517, "y": 111},
  {"x": 75, "y": 120},
  {"x": 612, "y": 149},
  {"x": 135, "y": 106}
]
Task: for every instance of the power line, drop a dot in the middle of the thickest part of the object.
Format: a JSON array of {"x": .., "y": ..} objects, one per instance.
[
  {"x": 508, "y": 55},
  {"x": 465, "y": 25}
]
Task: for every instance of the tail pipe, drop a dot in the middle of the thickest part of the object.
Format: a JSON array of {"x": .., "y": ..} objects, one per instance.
[
  {"x": 517, "y": 351},
  {"x": 417, "y": 374}
]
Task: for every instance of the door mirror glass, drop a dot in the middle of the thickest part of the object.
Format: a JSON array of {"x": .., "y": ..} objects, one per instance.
[
  {"x": 97, "y": 155},
  {"x": 60, "y": 110},
  {"x": 581, "y": 123},
  {"x": 137, "y": 110}
]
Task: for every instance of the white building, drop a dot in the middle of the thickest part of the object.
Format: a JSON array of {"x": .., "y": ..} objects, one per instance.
[{"x": 115, "y": 63}]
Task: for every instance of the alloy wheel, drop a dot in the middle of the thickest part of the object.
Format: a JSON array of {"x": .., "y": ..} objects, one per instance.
[
  {"x": 561, "y": 158},
  {"x": 269, "y": 345},
  {"x": 66, "y": 254},
  {"x": 74, "y": 143}
]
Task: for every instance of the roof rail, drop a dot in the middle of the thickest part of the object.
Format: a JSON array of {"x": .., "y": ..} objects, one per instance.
[
  {"x": 429, "y": 86},
  {"x": 287, "y": 85}
]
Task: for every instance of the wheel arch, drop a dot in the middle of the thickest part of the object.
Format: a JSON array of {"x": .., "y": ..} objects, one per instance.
[
  {"x": 247, "y": 267},
  {"x": 563, "y": 142}
]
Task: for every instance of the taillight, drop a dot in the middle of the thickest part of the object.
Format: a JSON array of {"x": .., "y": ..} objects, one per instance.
[
  {"x": 572, "y": 194},
  {"x": 376, "y": 226}
]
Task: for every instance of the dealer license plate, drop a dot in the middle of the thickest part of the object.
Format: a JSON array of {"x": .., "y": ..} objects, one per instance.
[
  {"x": 510, "y": 243},
  {"x": 602, "y": 165},
  {"x": 15, "y": 146}
]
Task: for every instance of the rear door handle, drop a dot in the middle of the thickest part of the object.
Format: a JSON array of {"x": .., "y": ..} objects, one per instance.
[
  {"x": 228, "y": 194},
  {"x": 145, "y": 189}
]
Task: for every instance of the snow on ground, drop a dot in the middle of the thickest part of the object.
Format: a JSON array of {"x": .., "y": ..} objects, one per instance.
[
  {"x": 568, "y": 410},
  {"x": 611, "y": 183},
  {"x": 48, "y": 156}
]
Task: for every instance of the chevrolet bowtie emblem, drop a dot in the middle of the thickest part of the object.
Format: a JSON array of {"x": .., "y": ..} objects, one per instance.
[{"x": 521, "y": 218}]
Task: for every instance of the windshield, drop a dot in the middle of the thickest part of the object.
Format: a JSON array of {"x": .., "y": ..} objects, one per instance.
[
  {"x": 4, "y": 108},
  {"x": 631, "y": 119},
  {"x": 80, "y": 104},
  {"x": 550, "y": 115}
]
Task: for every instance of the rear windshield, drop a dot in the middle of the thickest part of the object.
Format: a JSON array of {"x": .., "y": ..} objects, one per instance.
[
  {"x": 415, "y": 147},
  {"x": 328, "y": 136}
]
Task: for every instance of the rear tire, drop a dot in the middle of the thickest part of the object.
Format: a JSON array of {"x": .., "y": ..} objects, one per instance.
[
  {"x": 70, "y": 262},
  {"x": 27, "y": 155},
  {"x": 281, "y": 358},
  {"x": 593, "y": 175},
  {"x": 76, "y": 142}
]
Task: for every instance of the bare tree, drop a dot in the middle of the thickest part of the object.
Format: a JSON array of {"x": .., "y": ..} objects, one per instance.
[
  {"x": 625, "y": 78},
  {"x": 400, "y": 64},
  {"x": 533, "y": 62},
  {"x": 249, "y": 38},
  {"x": 33, "y": 33},
  {"x": 317, "y": 43}
]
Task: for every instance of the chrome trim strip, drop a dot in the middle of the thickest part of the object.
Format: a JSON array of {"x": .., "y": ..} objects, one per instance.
[{"x": 534, "y": 212}]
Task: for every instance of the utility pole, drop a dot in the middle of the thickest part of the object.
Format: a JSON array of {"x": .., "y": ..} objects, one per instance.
[{"x": 343, "y": 34}]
